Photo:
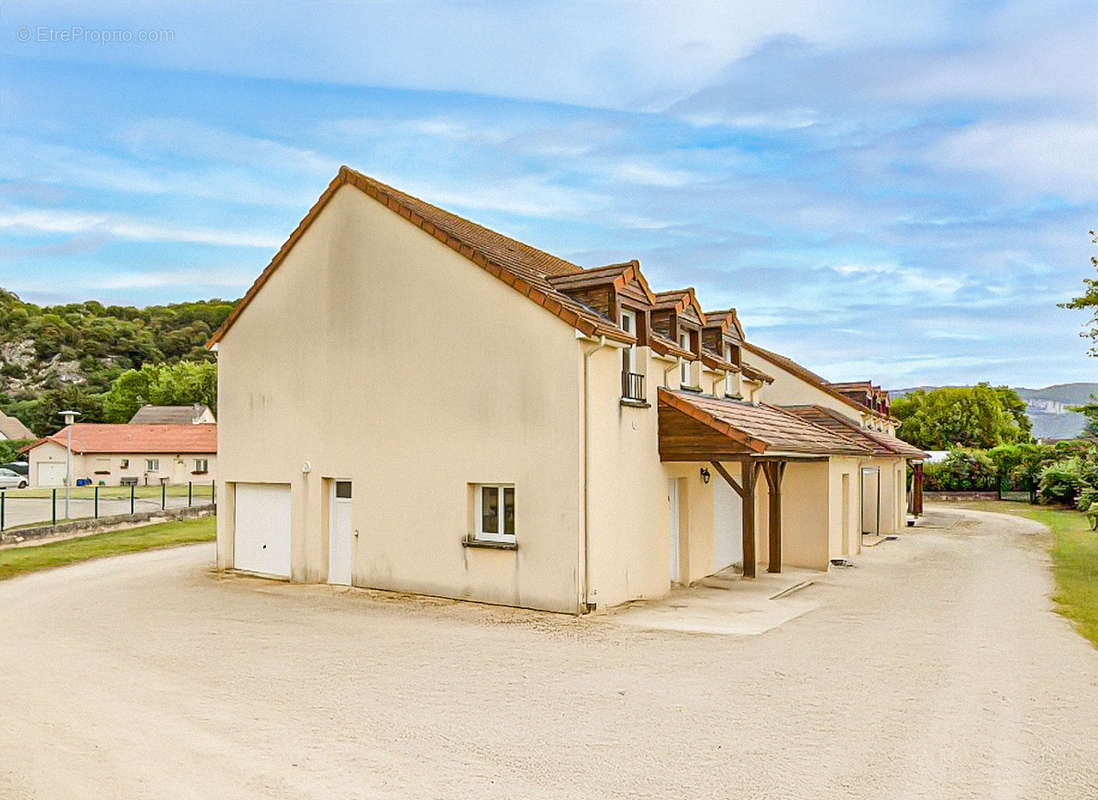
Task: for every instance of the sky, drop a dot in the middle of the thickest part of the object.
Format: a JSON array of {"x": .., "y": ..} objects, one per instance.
[{"x": 902, "y": 196}]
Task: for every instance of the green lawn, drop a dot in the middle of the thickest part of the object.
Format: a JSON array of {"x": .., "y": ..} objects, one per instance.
[
  {"x": 1074, "y": 559},
  {"x": 17, "y": 560}
]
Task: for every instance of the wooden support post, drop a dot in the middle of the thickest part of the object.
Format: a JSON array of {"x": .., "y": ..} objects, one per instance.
[
  {"x": 749, "y": 479},
  {"x": 917, "y": 489},
  {"x": 775, "y": 471}
]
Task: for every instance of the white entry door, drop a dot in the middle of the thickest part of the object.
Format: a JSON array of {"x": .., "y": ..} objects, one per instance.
[
  {"x": 261, "y": 540},
  {"x": 727, "y": 526},
  {"x": 50, "y": 474},
  {"x": 340, "y": 534},
  {"x": 673, "y": 503}
]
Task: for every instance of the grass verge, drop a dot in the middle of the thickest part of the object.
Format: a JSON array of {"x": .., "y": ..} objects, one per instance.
[
  {"x": 1074, "y": 559},
  {"x": 18, "y": 560}
]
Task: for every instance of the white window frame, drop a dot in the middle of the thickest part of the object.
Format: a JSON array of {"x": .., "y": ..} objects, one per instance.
[
  {"x": 478, "y": 501},
  {"x": 631, "y": 351},
  {"x": 202, "y": 465},
  {"x": 152, "y": 465},
  {"x": 684, "y": 367}
]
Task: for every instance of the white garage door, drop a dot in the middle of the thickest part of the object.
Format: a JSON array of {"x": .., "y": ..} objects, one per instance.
[
  {"x": 727, "y": 525},
  {"x": 261, "y": 542},
  {"x": 51, "y": 474}
]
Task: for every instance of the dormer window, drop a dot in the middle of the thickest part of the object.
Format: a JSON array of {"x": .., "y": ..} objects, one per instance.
[
  {"x": 629, "y": 354},
  {"x": 730, "y": 387},
  {"x": 632, "y": 383},
  {"x": 684, "y": 366}
]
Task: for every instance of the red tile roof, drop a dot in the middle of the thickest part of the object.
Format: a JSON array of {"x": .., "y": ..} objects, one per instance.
[
  {"x": 524, "y": 268},
  {"x": 679, "y": 300},
  {"x": 725, "y": 319},
  {"x": 618, "y": 275},
  {"x": 763, "y": 428},
  {"x": 91, "y": 437},
  {"x": 882, "y": 444}
]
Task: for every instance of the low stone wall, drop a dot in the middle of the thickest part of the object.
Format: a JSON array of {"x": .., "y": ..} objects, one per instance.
[
  {"x": 961, "y": 496},
  {"x": 91, "y": 525}
]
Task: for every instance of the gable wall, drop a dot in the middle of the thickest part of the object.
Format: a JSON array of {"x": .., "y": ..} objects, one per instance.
[{"x": 377, "y": 354}]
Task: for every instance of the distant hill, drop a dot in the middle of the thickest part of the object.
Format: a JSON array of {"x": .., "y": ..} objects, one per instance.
[
  {"x": 69, "y": 354},
  {"x": 1046, "y": 408}
]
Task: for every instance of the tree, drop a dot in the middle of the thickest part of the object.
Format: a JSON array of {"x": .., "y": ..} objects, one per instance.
[
  {"x": 1088, "y": 302},
  {"x": 162, "y": 385},
  {"x": 978, "y": 416}
]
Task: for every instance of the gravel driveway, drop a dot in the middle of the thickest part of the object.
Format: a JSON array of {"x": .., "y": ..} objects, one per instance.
[{"x": 935, "y": 669}]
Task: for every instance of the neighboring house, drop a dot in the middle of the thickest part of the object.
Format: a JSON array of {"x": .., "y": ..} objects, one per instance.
[
  {"x": 115, "y": 455},
  {"x": 12, "y": 429},
  {"x": 453, "y": 412},
  {"x": 196, "y": 414}
]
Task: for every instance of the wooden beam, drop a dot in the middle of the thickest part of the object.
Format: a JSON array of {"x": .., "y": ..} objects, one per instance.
[
  {"x": 719, "y": 467},
  {"x": 775, "y": 471},
  {"x": 749, "y": 476}
]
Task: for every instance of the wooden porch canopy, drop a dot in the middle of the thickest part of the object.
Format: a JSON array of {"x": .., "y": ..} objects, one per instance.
[{"x": 765, "y": 438}]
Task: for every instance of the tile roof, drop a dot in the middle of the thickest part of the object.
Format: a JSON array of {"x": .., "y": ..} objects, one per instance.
[
  {"x": 13, "y": 428},
  {"x": 768, "y": 429},
  {"x": 167, "y": 415},
  {"x": 807, "y": 375},
  {"x": 665, "y": 347},
  {"x": 755, "y": 374},
  {"x": 619, "y": 275},
  {"x": 725, "y": 319},
  {"x": 93, "y": 437},
  {"x": 714, "y": 361},
  {"x": 678, "y": 300},
  {"x": 882, "y": 444},
  {"x": 526, "y": 269}
]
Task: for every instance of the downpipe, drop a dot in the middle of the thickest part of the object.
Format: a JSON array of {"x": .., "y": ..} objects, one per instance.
[{"x": 586, "y": 606}]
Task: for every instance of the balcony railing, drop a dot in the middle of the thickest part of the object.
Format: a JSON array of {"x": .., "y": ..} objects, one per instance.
[{"x": 632, "y": 386}]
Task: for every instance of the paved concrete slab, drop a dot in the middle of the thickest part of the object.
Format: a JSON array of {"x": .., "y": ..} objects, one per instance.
[{"x": 727, "y": 606}]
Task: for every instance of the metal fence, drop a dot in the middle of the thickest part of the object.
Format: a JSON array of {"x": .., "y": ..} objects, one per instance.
[{"x": 20, "y": 508}]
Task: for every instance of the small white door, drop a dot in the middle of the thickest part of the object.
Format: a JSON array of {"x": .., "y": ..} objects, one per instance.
[
  {"x": 261, "y": 539},
  {"x": 871, "y": 500},
  {"x": 340, "y": 534},
  {"x": 51, "y": 474},
  {"x": 673, "y": 503}
]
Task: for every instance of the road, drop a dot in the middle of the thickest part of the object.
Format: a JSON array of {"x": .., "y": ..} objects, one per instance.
[
  {"x": 934, "y": 669},
  {"x": 28, "y": 510}
]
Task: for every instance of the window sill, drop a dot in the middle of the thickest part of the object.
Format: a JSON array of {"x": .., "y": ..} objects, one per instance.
[
  {"x": 695, "y": 389},
  {"x": 629, "y": 401},
  {"x": 733, "y": 396},
  {"x": 488, "y": 544}
]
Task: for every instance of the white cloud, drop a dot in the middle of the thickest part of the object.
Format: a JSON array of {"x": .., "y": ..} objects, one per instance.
[
  {"x": 1050, "y": 156},
  {"x": 70, "y": 222}
]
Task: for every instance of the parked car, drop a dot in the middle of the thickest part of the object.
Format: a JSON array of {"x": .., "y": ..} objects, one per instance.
[
  {"x": 21, "y": 467},
  {"x": 9, "y": 479}
]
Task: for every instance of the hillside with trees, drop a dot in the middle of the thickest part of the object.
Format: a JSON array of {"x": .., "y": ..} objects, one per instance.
[{"x": 102, "y": 360}]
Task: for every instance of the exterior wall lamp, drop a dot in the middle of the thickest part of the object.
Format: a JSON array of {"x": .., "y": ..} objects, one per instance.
[{"x": 705, "y": 474}]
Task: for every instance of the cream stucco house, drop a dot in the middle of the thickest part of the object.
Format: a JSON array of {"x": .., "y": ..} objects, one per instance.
[{"x": 411, "y": 401}]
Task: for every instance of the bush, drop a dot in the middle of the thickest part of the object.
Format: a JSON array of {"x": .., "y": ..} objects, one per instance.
[
  {"x": 1062, "y": 481},
  {"x": 962, "y": 471}
]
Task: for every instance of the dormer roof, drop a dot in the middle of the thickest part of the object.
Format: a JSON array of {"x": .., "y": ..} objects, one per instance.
[
  {"x": 726, "y": 320},
  {"x": 681, "y": 301}
]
